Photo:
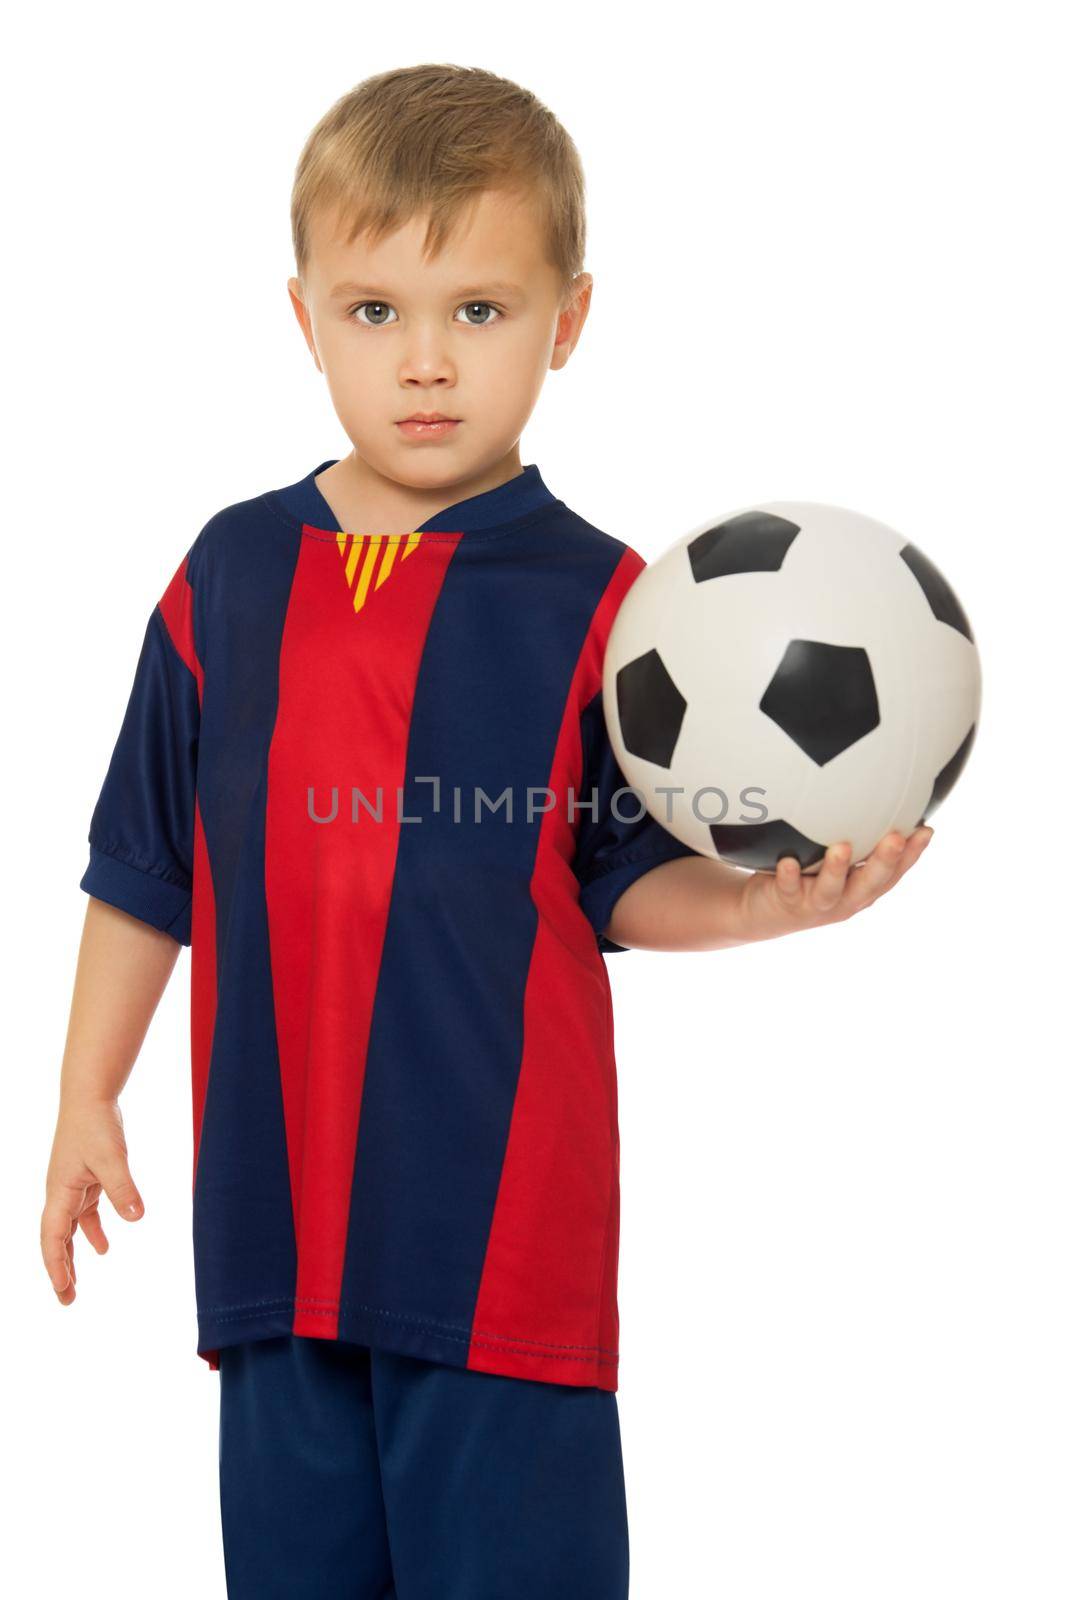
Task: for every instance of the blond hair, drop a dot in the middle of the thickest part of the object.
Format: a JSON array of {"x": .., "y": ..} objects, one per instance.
[{"x": 430, "y": 138}]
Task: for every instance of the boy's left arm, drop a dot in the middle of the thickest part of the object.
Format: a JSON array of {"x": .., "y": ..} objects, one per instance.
[{"x": 698, "y": 903}]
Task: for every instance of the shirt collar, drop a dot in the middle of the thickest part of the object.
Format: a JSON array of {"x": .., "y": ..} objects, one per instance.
[{"x": 517, "y": 497}]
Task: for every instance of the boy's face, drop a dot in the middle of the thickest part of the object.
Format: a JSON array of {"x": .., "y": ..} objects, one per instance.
[{"x": 470, "y": 335}]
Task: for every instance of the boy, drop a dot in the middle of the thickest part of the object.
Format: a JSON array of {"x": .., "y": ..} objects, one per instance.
[{"x": 405, "y": 1140}]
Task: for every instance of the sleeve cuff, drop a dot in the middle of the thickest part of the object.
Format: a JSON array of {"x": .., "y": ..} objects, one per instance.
[
  {"x": 597, "y": 897},
  {"x": 140, "y": 892}
]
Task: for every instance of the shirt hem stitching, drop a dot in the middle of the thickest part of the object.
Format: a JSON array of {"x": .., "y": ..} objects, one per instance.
[
  {"x": 323, "y": 1308},
  {"x": 128, "y": 858}
]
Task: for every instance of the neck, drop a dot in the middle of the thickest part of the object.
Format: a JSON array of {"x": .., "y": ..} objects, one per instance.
[{"x": 364, "y": 500}]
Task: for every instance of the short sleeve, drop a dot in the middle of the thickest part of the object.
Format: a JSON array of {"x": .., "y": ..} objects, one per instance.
[
  {"x": 141, "y": 831},
  {"x": 613, "y": 851}
]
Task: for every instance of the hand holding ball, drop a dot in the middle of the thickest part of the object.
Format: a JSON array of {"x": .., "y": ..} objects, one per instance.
[{"x": 792, "y": 675}]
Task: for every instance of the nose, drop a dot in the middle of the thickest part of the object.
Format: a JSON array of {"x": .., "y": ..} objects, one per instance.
[{"x": 427, "y": 359}]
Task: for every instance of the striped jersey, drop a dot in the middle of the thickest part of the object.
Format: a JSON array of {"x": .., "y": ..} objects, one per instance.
[{"x": 367, "y": 779}]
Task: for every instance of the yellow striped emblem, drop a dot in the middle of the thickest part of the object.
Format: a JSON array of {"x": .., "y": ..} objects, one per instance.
[{"x": 369, "y": 558}]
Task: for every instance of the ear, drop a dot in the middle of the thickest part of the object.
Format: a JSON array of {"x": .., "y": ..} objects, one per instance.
[
  {"x": 303, "y": 316},
  {"x": 571, "y": 319}
]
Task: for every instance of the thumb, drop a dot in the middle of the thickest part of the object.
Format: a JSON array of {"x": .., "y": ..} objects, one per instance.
[{"x": 120, "y": 1188}]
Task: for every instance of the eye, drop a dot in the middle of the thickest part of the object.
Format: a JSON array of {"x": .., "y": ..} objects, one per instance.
[
  {"x": 375, "y": 305},
  {"x": 482, "y": 305}
]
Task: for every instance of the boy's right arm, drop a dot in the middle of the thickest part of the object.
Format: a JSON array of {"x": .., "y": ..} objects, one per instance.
[
  {"x": 139, "y": 914},
  {"x": 123, "y": 967}
]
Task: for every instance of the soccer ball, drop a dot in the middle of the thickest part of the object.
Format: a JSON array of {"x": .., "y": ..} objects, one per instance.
[{"x": 797, "y": 674}]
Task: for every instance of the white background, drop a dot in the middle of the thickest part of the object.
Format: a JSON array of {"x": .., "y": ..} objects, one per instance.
[{"x": 828, "y": 264}]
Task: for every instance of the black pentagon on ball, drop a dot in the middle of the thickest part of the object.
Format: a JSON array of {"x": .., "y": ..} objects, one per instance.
[
  {"x": 753, "y": 541},
  {"x": 761, "y": 845},
  {"x": 823, "y": 697},
  {"x": 651, "y": 708},
  {"x": 946, "y": 778},
  {"x": 939, "y": 595}
]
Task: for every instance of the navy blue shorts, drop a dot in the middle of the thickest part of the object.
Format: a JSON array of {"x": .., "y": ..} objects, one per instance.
[{"x": 362, "y": 1475}]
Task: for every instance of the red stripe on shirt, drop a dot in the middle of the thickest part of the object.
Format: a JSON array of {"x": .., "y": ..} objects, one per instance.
[
  {"x": 203, "y": 978},
  {"x": 176, "y": 607},
  {"x": 552, "y": 1259},
  {"x": 328, "y": 885},
  {"x": 176, "y": 604}
]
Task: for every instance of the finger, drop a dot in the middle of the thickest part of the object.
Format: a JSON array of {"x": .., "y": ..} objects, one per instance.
[
  {"x": 914, "y": 846},
  {"x": 870, "y": 879},
  {"x": 830, "y": 878},
  {"x": 93, "y": 1229},
  {"x": 114, "y": 1177},
  {"x": 787, "y": 877},
  {"x": 916, "y": 843},
  {"x": 56, "y": 1230}
]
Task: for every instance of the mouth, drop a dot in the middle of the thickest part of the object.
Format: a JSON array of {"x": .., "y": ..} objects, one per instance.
[{"x": 428, "y": 424}]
